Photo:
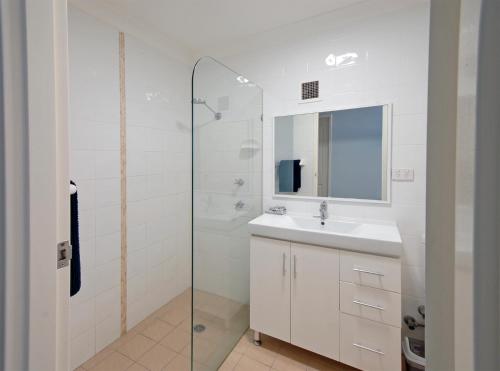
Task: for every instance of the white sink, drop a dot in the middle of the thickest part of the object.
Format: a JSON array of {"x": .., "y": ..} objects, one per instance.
[{"x": 374, "y": 237}]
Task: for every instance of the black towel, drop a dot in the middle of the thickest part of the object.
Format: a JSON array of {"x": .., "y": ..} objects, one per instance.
[
  {"x": 296, "y": 175},
  {"x": 76, "y": 279}
]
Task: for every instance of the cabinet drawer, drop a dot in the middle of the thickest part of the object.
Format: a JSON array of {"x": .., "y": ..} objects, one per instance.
[
  {"x": 371, "y": 270},
  {"x": 369, "y": 345},
  {"x": 370, "y": 303}
]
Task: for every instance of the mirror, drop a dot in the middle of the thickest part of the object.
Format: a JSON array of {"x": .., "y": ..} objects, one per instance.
[{"x": 342, "y": 154}]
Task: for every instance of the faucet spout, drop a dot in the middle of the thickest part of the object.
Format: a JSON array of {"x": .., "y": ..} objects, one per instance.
[{"x": 323, "y": 211}]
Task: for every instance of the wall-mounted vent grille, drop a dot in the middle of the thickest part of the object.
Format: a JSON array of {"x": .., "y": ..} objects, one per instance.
[{"x": 310, "y": 90}]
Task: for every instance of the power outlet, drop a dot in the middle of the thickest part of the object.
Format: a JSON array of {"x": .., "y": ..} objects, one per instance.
[{"x": 403, "y": 175}]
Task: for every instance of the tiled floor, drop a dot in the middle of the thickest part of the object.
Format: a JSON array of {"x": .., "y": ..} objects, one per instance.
[
  {"x": 276, "y": 355},
  {"x": 162, "y": 342}
]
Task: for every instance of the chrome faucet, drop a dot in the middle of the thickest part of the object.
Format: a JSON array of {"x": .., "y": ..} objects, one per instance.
[{"x": 323, "y": 212}]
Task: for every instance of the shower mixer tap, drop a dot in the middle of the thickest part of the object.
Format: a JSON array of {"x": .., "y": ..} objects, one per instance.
[{"x": 239, "y": 181}]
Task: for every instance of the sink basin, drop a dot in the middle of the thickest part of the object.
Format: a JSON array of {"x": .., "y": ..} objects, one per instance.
[
  {"x": 374, "y": 237},
  {"x": 331, "y": 226}
]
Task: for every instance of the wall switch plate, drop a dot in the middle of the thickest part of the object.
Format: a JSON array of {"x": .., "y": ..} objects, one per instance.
[{"x": 403, "y": 175}]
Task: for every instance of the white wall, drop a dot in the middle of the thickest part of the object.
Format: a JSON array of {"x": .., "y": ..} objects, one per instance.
[
  {"x": 391, "y": 67},
  {"x": 158, "y": 178},
  {"x": 158, "y": 155},
  {"x": 95, "y": 167}
]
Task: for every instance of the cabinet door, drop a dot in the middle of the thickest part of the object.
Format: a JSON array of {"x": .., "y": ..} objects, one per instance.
[
  {"x": 270, "y": 287},
  {"x": 315, "y": 299}
]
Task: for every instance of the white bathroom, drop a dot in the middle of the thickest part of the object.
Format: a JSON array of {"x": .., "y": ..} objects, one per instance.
[{"x": 252, "y": 185}]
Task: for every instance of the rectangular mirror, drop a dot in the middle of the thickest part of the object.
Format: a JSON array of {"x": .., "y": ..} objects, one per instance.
[{"x": 341, "y": 154}]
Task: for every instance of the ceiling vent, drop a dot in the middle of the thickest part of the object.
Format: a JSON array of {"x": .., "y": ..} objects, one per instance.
[{"x": 310, "y": 90}]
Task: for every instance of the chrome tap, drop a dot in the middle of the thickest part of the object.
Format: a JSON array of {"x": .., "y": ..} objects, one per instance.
[
  {"x": 239, "y": 205},
  {"x": 323, "y": 212}
]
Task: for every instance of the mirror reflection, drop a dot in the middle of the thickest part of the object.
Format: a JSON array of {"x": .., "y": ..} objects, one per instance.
[{"x": 338, "y": 154}]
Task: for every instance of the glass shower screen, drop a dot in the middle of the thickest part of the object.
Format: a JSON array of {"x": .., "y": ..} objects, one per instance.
[{"x": 227, "y": 193}]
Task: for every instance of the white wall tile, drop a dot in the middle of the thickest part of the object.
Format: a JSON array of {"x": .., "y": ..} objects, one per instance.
[
  {"x": 82, "y": 165},
  {"x": 108, "y": 220},
  {"x": 82, "y": 348},
  {"x": 391, "y": 69},
  {"x": 107, "y": 192},
  {"x": 107, "y": 304},
  {"x": 82, "y": 317},
  {"x": 136, "y": 188},
  {"x": 107, "y": 248},
  {"x": 107, "y": 164},
  {"x": 107, "y": 331},
  {"x": 107, "y": 276},
  {"x": 107, "y": 137}
]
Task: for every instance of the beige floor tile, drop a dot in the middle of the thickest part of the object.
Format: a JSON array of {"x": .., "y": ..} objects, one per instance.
[
  {"x": 136, "y": 347},
  {"x": 204, "y": 350},
  {"x": 157, "y": 358},
  {"x": 157, "y": 330},
  {"x": 114, "y": 362},
  {"x": 123, "y": 339},
  {"x": 186, "y": 324},
  {"x": 179, "y": 363},
  {"x": 243, "y": 344},
  {"x": 99, "y": 357},
  {"x": 261, "y": 354},
  {"x": 248, "y": 364},
  {"x": 177, "y": 340},
  {"x": 230, "y": 362},
  {"x": 137, "y": 367},
  {"x": 282, "y": 363},
  {"x": 175, "y": 315}
]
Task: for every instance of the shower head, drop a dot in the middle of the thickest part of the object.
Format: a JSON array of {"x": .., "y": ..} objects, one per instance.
[{"x": 217, "y": 115}]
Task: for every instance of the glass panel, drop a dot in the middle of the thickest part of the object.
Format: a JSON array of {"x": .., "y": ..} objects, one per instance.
[{"x": 227, "y": 193}]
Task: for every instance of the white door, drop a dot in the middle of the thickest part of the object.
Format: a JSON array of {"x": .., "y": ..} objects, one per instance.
[
  {"x": 315, "y": 299},
  {"x": 47, "y": 86},
  {"x": 270, "y": 287}
]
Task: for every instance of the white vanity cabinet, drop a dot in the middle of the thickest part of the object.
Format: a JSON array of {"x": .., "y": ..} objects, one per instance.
[
  {"x": 314, "y": 303},
  {"x": 340, "y": 304}
]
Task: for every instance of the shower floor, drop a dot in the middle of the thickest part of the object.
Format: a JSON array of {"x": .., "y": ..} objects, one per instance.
[{"x": 162, "y": 342}]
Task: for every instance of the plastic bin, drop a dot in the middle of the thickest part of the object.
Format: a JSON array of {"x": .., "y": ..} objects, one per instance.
[{"x": 414, "y": 352}]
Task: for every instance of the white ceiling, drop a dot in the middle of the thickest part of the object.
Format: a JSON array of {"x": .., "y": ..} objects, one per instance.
[{"x": 199, "y": 24}]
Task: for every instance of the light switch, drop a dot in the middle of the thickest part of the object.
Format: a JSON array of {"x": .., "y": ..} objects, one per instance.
[{"x": 403, "y": 175}]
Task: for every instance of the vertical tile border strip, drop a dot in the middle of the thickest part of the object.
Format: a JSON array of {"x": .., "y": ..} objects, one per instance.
[{"x": 123, "y": 187}]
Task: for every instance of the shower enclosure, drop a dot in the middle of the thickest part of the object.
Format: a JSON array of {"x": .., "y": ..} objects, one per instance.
[{"x": 226, "y": 194}]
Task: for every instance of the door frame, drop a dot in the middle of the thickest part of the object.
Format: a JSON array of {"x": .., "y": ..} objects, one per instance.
[{"x": 35, "y": 198}]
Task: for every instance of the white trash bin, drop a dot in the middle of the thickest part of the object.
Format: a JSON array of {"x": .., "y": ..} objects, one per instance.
[{"x": 414, "y": 352}]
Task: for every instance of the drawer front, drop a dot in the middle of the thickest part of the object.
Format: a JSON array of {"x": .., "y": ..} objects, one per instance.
[
  {"x": 367, "y": 302},
  {"x": 371, "y": 270},
  {"x": 369, "y": 345}
]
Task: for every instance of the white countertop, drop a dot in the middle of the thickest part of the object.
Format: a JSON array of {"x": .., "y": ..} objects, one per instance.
[{"x": 374, "y": 237}]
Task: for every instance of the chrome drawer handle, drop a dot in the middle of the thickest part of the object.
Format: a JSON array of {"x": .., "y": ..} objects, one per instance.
[
  {"x": 369, "y": 349},
  {"x": 284, "y": 259},
  {"x": 367, "y": 271},
  {"x": 368, "y": 305}
]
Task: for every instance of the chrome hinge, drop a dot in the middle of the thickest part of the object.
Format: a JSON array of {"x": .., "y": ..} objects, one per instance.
[{"x": 64, "y": 253}]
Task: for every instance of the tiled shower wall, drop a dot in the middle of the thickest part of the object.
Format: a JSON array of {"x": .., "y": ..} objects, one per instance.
[
  {"x": 158, "y": 180},
  {"x": 390, "y": 67}
]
